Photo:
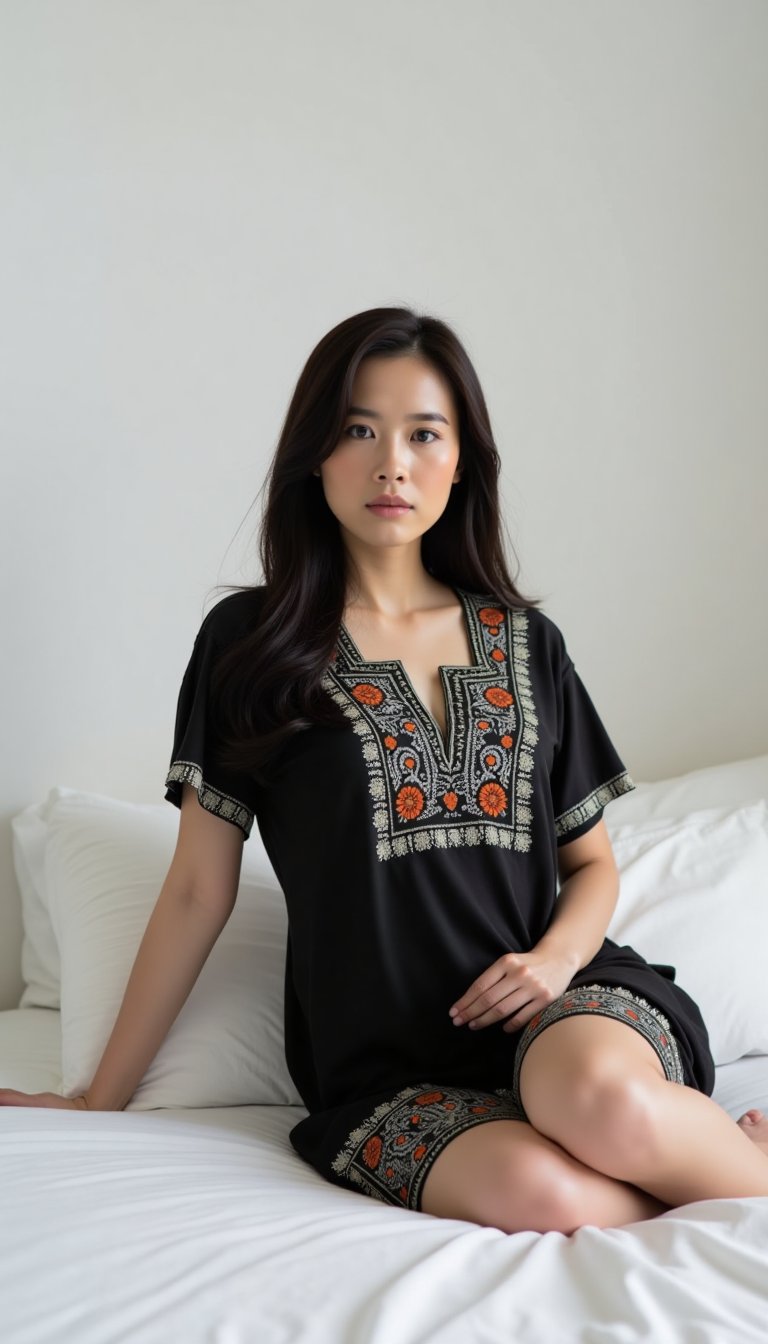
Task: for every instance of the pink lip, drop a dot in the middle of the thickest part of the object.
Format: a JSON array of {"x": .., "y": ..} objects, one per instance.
[{"x": 389, "y": 510}]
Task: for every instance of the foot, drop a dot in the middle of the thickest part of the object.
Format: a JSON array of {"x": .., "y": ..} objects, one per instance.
[{"x": 755, "y": 1125}]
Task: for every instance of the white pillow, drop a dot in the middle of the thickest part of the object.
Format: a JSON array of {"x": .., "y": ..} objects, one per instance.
[
  {"x": 105, "y": 863},
  {"x": 732, "y": 784},
  {"x": 40, "y": 969},
  {"x": 694, "y": 894}
]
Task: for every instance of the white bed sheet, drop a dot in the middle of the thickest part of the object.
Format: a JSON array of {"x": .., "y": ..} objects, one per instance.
[{"x": 204, "y": 1227}]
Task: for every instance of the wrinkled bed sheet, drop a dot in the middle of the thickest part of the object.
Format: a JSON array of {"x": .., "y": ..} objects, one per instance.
[{"x": 204, "y": 1227}]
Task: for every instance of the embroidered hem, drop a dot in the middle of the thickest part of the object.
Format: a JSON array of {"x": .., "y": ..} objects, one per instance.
[
  {"x": 581, "y": 812},
  {"x": 213, "y": 800},
  {"x": 607, "y": 1001},
  {"x": 389, "y": 1155}
]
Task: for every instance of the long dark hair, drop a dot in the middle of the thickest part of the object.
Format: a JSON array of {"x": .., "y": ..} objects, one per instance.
[{"x": 267, "y": 685}]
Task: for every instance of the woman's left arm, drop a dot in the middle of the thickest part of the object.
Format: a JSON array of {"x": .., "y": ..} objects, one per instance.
[
  {"x": 520, "y": 984},
  {"x": 589, "y": 891}
]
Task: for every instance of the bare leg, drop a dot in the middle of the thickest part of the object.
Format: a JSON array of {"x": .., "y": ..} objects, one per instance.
[
  {"x": 595, "y": 1086},
  {"x": 755, "y": 1126},
  {"x": 505, "y": 1174}
]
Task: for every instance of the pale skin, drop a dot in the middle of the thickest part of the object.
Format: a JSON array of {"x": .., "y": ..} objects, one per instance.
[{"x": 609, "y": 1139}]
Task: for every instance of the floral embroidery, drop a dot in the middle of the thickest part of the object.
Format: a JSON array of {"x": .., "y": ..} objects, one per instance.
[
  {"x": 607, "y": 1001},
  {"x": 389, "y": 1154},
  {"x": 472, "y": 787}
]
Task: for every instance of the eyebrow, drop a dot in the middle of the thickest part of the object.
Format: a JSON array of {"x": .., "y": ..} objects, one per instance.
[{"x": 415, "y": 415}]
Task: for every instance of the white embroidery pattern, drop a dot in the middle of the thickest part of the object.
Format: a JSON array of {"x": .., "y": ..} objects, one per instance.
[
  {"x": 473, "y": 789},
  {"x": 213, "y": 800},
  {"x": 581, "y": 812}
]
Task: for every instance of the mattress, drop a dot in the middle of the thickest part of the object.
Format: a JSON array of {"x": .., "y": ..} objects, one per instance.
[{"x": 205, "y": 1227}]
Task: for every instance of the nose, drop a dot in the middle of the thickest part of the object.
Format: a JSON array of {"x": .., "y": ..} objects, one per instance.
[{"x": 392, "y": 458}]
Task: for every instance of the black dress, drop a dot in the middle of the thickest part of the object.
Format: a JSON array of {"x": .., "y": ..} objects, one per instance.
[{"x": 409, "y": 863}]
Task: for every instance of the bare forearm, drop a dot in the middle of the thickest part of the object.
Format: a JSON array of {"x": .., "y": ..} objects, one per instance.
[
  {"x": 583, "y": 912},
  {"x": 178, "y": 938}
]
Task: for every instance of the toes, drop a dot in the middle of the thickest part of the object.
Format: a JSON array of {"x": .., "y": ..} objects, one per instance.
[{"x": 751, "y": 1117}]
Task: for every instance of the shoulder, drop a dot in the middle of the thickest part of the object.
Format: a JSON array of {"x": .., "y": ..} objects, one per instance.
[
  {"x": 544, "y": 630},
  {"x": 530, "y": 626},
  {"x": 234, "y": 616}
]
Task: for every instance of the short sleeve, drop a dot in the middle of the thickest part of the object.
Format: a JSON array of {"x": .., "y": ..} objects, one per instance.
[
  {"x": 587, "y": 771},
  {"x": 226, "y": 793}
]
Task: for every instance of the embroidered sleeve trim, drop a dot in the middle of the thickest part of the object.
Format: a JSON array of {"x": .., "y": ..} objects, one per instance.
[
  {"x": 213, "y": 800},
  {"x": 594, "y": 801}
]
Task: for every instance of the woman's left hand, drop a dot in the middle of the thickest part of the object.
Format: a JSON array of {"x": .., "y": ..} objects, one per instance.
[{"x": 519, "y": 983}]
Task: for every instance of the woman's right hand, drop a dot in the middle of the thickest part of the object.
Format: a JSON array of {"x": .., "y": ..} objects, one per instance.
[{"x": 10, "y": 1097}]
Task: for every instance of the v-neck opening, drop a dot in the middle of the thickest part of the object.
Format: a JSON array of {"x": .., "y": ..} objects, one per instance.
[{"x": 476, "y": 666}]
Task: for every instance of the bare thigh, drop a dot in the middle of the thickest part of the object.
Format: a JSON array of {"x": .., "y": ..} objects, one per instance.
[{"x": 505, "y": 1174}]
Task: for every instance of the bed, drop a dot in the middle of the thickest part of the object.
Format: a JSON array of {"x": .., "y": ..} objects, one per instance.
[{"x": 189, "y": 1217}]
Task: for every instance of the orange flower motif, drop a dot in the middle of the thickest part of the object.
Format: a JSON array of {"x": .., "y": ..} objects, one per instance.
[
  {"x": 409, "y": 761},
  {"x": 367, "y": 694},
  {"x": 415, "y": 1119},
  {"x": 506, "y": 740},
  {"x": 449, "y": 1105},
  {"x": 419, "y": 1152},
  {"x": 389, "y": 1172},
  {"x": 498, "y": 655},
  {"x": 427, "y": 1097},
  {"x": 400, "y": 1139},
  {"x": 663, "y": 1040},
  {"x": 450, "y": 799},
  {"x": 409, "y": 802},
  {"x": 479, "y": 1110},
  {"x": 490, "y": 759},
  {"x": 497, "y": 696},
  {"x": 592, "y": 1003},
  {"x": 372, "y": 1152},
  {"x": 630, "y": 1012},
  {"x": 403, "y": 1193},
  {"x": 493, "y": 629},
  {"x": 410, "y": 727},
  {"x": 483, "y": 723},
  {"x": 390, "y": 742},
  {"x": 492, "y": 799},
  {"x": 534, "y": 1022},
  {"x": 491, "y": 615}
]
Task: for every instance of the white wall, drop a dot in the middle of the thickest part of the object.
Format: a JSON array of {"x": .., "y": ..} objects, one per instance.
[{"x": 193, "y": 193}]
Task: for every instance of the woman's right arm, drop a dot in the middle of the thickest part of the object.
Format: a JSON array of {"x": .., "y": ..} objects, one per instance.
[{"x": 195, "y": 902}]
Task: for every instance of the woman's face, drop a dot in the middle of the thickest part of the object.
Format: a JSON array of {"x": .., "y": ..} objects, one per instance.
[{"x": 401, "y": 437}]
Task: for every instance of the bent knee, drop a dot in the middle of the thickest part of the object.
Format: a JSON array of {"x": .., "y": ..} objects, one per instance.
[{"x": 619, "y": 1110}]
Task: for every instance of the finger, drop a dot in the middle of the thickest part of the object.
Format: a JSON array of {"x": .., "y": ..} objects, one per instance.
[
  {"x": 478, "y": 997},
  {"x": 502, "y": 1008},
  {"x": 10, "y": 1097}
]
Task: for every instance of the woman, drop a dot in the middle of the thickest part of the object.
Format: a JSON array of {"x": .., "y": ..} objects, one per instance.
[{"x": 426, "y": 768}]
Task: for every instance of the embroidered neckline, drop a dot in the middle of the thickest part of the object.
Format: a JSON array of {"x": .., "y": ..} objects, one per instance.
[
  {"x": 473, "y": 787},
  {"x": 355, "y": 659}
]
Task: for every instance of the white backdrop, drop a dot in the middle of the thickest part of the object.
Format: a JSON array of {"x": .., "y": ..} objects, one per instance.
[{"x": 193, "y": 193}]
